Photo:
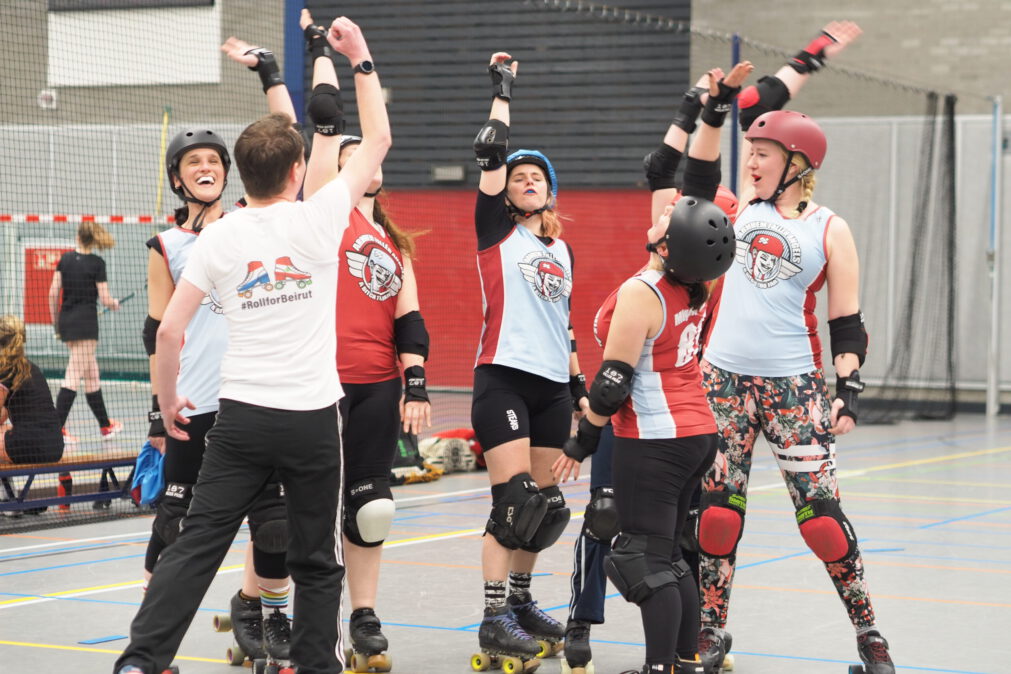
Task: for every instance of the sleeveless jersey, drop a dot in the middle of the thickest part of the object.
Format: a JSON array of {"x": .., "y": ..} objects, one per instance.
[
  {"x": 765, "y": 324},
  {"x": 206, "y": 336},
  {"x": 525, "y": 290},
  {"x": 667, "y": 399},
  {"x": 371, "y": 275}
]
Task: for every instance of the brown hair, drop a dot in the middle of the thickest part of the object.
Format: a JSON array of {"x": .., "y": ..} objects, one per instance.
[
  {"x": 13, "y": 362},
  {"x": 402, "y": 239},
  {"x": 93, "y": 235},
  {"x": 265, "y": 152}
]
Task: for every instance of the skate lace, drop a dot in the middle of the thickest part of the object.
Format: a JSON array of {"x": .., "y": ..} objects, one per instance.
[
  {"x": 578, "y": 633},
  {"x": 369, "y": 628},
  {"x": 277, "y": 627},
  {"x": 513, "y": 628},
  {"x": 878, "y": 651},
  {"x": 530, "y": 608}
]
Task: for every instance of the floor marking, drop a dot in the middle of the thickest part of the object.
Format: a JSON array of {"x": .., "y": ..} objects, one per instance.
[
  {"x": 102, "y": 640},
  {"x": 58, "y": 647},
  {"x": 966, "y": 517}
]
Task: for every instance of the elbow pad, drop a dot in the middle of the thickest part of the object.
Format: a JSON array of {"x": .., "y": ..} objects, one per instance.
[
  {"x": 769, "y": 94},
  {"x": 611, "y": 386},
  {"x": 661, "y": 166},
  {"x": 702, "y": 178},
  {"x": 410, "y": 335},
  {"x": 150, "y": 334},
  {"x": 326, "y": 108},
  {"x": 848, "y": 335},
  {"x": 491, "y": 145}
]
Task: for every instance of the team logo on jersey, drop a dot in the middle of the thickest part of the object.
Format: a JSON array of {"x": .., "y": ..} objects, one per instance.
[
  {"x": 372, "y": 261},
  {"x": 769, "y": 254},
  {"x": 212, "y": 302},
  {"x": 548, "y": 278}
]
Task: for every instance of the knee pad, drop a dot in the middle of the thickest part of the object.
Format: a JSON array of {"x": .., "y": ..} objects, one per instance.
[
  {"x": 168, "y": 517},
  {"x": 368, "y": 512},
  {"x": 600, "y": 521},
  {"x": 826, "y": 530},
  {"x": 517, "y": 508},
  {"x": 721, "y": 523},
  {"x": 268, "y": 520},
  {"x": 556, "y": 518},
  {"x": 639, "y": 566}
]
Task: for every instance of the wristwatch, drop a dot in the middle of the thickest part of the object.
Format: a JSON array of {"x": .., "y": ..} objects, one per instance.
[{"x": 365, "y": 67}]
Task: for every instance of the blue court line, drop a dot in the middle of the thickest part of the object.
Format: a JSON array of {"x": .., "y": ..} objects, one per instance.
[
  {"x": 965, "y": 517},
  {"x": 74, "y": 548},
  {"x": 102, "y": 640}
]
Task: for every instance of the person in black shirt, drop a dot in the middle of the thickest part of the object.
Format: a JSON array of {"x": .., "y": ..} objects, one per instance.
[
  {"x": 29, "y": 427},
  {"x": 80, "y": 274}
]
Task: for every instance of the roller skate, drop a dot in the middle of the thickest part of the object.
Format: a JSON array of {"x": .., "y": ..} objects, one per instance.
[
  {"x": 256, "y": 275},
  {"x": 546, "y": 630},
  {"x": 874, "y": 652},
  {"x": 277, "y": 643},
  {"x": 368, "y": 644},
  {"x": 714, "y": 650},
  {"x": 679, "y": 667},
  {"x": 245, "y": 621},
  {"x": 578, "y": 658},
  {"x": 285, "y": 271},
  {"x": 504, "y": 644}
]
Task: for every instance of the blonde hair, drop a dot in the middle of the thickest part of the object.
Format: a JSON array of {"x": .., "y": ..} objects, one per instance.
[
  {"x": 551, "y": 223},
  {"x": 13, "y": 362},
  {"x": 807, "y": 183},
  {"x": 93, "y": 235}
]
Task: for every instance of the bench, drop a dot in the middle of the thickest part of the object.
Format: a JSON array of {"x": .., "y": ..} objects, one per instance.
[{"x": 109, "y": 485}]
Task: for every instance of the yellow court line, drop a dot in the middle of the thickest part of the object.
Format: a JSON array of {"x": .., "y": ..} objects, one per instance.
[
  {"x": 935, "y": 459},
  {"x": 82, "y": 649}
]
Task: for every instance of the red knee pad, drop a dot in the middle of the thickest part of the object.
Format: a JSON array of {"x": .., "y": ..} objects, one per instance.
[
  {"x": 721, "y": 523},
  {"x": 826, "y": 530}
]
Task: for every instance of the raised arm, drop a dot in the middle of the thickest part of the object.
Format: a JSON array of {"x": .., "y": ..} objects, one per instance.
[
  {"x": 263, "y": 62},
  {"x": 346, "y": 38},
  {"x": 661, "y": 165},
  {"x": 492, "y": 142},
  {"x": 326, "y": 109}
]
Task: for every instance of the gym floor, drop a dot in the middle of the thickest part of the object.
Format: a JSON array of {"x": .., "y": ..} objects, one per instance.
[{"x": 929, "y": 501}]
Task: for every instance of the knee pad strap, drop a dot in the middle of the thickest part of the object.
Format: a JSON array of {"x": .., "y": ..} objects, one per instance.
[
  {"x": 721, "y": 523},
  {"x": 826, "y": 530},
  {"x": 639, "y": 566}
]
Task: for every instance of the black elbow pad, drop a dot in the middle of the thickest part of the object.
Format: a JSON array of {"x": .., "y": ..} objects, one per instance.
[
  {"x": 150, "y": 334},
  {"x": 611, "y": 386},
  {"x": 702, "y": 178},
  {"x": 848, "y": 335},
  {"x": 769, "y": 94},
  {"x": 410, "y": 335},
  {"x": 491, "y": 145}
]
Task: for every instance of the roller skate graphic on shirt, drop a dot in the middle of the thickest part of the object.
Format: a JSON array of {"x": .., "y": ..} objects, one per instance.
[
  {"x": 547, "y": 277},
  {"x": 285, "y": 271},
  {"x": 374, "y": 263},
  {"x": 213, "y": 302},
  {"x": 256, "y": 276}
]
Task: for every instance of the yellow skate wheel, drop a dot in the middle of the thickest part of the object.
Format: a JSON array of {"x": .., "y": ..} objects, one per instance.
[
  {"x": 222, "y": 623},
  {"x": 512, "y": 665},
  {"x": 728, "y": 662},
  {"x": 235, "y": 656},
  {"x": 480, "y": 662},
  {"x": 380, "y": 662},
  {"x": 545, "y": 648}
]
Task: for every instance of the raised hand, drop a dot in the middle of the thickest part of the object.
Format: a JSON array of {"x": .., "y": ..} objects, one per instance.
[
  {"x": 239, "y": 51},
  {"x": 345, "y": 37},
  {"x": 844, "y": 33}
]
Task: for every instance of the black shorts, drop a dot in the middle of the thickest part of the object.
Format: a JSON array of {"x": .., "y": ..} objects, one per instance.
[
  {"x": 370, "y": 414},
  {"x": 31, "y": 444},
  {"x": 78, "y": 322},
  {"x": 510, "y": 404}
]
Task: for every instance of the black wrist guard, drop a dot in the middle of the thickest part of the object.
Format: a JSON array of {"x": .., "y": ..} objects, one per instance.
[
  {"x": 661, "y": 166},
  {"x": 315, "y": 42},
  {"x": 266, "y": 68},
  {"x": 717, "y": 107},
  {"x": 687, "y": 115},
  {"x": 491, "y": 145},
  {"x": 577, "y": 387},
  {"x": 812, "y": 57},
  {"x": 326, "y": 109},
  {"x": 501, "y": 81},
  {"x": 585, "y": 442},
  {"x": 414, "y": 384},
  {"x": 157, "y": 429},
  {"x": 847, "y": 389}
]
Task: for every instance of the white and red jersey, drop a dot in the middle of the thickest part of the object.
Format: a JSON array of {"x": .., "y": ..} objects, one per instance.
[
  {"x": 368, "y": 284},
  {"x": 765, "y": 324},
  {"x": 667, "y": 399}
]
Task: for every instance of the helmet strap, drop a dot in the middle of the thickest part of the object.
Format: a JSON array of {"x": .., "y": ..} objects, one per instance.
[
  {"x": 513, "y": 210},
  {"x": 188, "y": 197}
]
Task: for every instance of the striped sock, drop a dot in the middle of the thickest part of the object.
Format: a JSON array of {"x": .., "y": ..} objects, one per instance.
[
  {"x": 519, "y": 587},
  {"x": 273, "y": 599},
  {"x": 494, "y": 594}
]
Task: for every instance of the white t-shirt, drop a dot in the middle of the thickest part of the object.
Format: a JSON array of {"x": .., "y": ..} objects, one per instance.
[{"x": 275, "y": 273}]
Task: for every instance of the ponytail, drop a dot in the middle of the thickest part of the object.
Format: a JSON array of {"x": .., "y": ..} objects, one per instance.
[
  {"x": 93, "y": 235},
  {"x": 14, "y": 364}
]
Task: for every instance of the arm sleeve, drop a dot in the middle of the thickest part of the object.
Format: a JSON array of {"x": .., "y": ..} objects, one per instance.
[{"x": 491, "y": 219}]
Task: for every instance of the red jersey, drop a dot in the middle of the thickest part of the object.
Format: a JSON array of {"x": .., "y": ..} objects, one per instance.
[
  {"x": 370, "y": 278},
  {"x": 667, "y": 399}
]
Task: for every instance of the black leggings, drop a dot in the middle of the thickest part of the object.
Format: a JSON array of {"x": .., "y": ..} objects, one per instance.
[{"x": 653, "y": 485}]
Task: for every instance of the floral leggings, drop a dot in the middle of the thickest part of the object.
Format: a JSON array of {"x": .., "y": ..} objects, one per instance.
[{"x": 793, "y": 414}]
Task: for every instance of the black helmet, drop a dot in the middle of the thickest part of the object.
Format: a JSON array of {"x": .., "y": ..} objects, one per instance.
[
  {"x": 190, "y": 139},
  {"x": 700, "y": 241}
]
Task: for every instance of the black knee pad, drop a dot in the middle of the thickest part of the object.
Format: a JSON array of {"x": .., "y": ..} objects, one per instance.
[
  {"x": 517, "y": 508},
  {"x": 639, "y": 566},
  {"x": 600, "y": 521},
  {"x": 826, "y": 530},
  {"x": 721, "y": 523},
  {"x": 368, "y": 511},
  {"x": 268, "y": 520},
  {"x": 168, "y": 517},
  {"x": 556, "y": 518}
]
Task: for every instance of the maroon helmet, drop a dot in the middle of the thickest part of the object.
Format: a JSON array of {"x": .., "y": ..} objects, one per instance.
[{"x": 793, "y": 130}]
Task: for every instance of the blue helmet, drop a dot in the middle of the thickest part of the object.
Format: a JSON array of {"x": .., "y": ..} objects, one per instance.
[{"x": 537, "y": 159}]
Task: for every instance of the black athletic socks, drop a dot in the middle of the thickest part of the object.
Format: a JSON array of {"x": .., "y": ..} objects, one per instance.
[
  {"x": 64, "y": 401},
  {"x": 97, "y": 404}
]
